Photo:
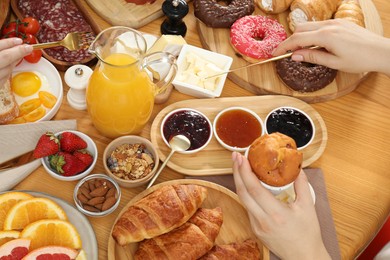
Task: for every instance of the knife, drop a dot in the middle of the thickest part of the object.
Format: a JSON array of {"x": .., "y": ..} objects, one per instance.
[{"x": 17, "y": 161}]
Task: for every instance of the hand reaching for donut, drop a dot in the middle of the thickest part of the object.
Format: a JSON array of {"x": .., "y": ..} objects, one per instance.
[
  {"x": 291, "y": 231},
  {"x": 350, "y": 48},
  {"x": 11, "y": 51}
]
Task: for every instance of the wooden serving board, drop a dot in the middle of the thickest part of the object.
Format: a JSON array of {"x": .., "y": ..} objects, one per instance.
[
  {"x": 4, "y": 11},
  {"x": 59, "y": 64},
  {"x": 264, "y": 79},
  {"x": 216, "y": 160},
  {"x": 120, "y": 12},
  {"x": 235, "y": 228}
]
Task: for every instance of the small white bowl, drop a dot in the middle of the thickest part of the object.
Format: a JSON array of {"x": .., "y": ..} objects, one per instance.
[
  {"x": 221, "y": 61},
  {"x": 283, "y": 129},
  {"x": 131, "y": 139},
  {"x": 227, "y": 146},
  {"x": 91, "y": 148},
  {"x": 87, "y": 212},
  {"x": 191, "y": 137}
]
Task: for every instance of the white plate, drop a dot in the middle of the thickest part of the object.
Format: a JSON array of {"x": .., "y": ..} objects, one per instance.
[
  {"x": 44, "y": 67},
  {"x": 82, "y": 224}
]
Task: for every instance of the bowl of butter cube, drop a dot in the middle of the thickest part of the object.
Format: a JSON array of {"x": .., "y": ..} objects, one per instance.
[{"x": 200, "y": 72}]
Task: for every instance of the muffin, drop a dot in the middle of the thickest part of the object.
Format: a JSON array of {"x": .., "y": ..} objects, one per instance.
[{"x": 275, "y": 160}]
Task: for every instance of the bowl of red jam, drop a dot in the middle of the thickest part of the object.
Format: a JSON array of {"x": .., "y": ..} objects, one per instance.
[
  {"x": 235, "y": 128},
  {"x": 292, "y": 122},
  {"x": 189, "y": 122}
]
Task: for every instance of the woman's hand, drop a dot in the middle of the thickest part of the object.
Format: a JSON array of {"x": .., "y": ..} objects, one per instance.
[
  {"x": 349, "y": 47},
  {"x": 292, "y": 230},
  {"x": 11, "y": 52}
]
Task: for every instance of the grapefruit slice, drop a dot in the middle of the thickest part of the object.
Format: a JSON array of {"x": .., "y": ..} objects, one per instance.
[
  {"x": 15, "y": 249},
  {"x": 52, "y": 252},
  {"x": 6, "y": 236}
]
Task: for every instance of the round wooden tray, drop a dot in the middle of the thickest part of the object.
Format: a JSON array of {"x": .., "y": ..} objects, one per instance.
[
  {"x": 59, "y": 64},
  {"x": 263, "y": 79},
  {"x": 235, "y": 228},
  {"x": 216, "y": 160}
]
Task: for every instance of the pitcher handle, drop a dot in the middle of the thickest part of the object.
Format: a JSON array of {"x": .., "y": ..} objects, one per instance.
[{"x": 162, "y": 68}]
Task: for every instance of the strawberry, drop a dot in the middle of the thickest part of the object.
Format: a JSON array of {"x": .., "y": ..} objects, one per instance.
[
  {"x": 84, "y": 156},
  {"x": 48, "y": 144},
  {"x": 66, "y": 164},
  {"x": 71, "y": 142}
]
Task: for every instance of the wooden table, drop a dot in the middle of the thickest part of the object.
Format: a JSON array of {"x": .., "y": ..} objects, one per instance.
[{"x": 355, "y": 163}]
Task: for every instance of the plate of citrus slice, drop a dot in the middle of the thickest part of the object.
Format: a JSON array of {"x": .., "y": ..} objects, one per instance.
[{"x": 44, "y": 225}]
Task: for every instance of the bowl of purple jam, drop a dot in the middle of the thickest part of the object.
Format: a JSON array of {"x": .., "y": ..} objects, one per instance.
[
  {"x": 292, "y": 122},
  {"x": 188, "y": 122}
]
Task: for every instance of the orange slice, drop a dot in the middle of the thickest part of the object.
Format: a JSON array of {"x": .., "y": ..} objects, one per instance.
[
  {"x": 28, "y": 211},
  {"x": 6, "y": 236},
  {"x": 52, "y": 232},
  {"x": 9, "y": 199},
  {"x": 82, "y": 255}
]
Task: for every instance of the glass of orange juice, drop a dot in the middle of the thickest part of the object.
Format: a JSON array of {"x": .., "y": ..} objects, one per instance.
[{"x": 121, "y": 90}]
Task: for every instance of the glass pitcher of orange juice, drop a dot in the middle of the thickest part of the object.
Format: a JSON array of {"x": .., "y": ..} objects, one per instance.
[{"x": 121, "y": 90}]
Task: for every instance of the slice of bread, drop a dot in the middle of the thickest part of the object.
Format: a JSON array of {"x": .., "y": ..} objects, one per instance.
[{"x": 9, "y": 109}]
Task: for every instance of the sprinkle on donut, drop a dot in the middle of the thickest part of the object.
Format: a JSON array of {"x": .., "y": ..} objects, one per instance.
[{"x": 256, "y": 36}]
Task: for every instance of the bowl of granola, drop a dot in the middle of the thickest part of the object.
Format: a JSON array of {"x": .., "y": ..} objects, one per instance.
[{"x": 130, "y": 160}]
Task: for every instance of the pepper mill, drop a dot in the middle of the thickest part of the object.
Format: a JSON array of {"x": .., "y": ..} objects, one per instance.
[
  {"x": 175, "y": 10},
  {"x": 77, "y": 77}
]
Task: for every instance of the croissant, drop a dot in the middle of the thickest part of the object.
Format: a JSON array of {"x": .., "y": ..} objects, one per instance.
[
  {"x": 189, "y": 241},
  {"x": 311, "y": 10},
  {"x": 350, "y": 10},
  {"x": 234, "y": 251},
  {"x": 273, "y": 6},
  {"x": 159, "y": 212}
]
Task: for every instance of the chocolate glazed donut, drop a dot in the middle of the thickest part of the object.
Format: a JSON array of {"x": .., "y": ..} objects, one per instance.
[
  {"x": 216, "y": 15},
  {"x": 303, "y": 76}
]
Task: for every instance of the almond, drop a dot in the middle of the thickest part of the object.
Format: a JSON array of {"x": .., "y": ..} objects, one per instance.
[
  {"x": 99, "y": 192},
  {"x": 110, "y": 201},
  {"x": 111, "y": 192},
  {"x": 95, "y": 201},
  {"x": 91, "y": 185},
  {"x": 90, "y": 208},
  {"x": 82, "y": 198},
  {"x": 85, "y": 192}
]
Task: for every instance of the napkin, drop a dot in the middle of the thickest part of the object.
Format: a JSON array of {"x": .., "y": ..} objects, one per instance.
[{"x": 316, "y": 179}]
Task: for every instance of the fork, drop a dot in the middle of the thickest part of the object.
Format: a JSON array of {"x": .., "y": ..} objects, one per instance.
[
  {"x": 261, "y": 62},
  {"x": 72, "y": 41}
]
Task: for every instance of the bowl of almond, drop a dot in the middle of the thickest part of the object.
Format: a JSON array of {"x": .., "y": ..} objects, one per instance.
[{"x": 97, "y": 195}]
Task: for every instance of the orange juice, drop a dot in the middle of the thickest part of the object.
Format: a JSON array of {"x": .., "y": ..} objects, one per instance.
[{"x": 120, "y": 97}]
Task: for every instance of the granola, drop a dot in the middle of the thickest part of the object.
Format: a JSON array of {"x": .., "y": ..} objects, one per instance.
[{"x": 130, "y": 161}]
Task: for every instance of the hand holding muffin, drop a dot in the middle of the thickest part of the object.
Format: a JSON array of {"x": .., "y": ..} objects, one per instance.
[{"x": 290, "y": 231}]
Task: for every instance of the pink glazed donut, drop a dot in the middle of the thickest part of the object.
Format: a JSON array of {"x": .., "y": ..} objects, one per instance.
[{"x": 256, "y": 36}]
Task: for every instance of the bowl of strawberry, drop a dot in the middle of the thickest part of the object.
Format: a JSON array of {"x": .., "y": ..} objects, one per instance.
[{"x": 68, "y": 155}]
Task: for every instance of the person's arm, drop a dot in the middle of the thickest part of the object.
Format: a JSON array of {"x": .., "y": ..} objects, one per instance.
[
  {"x": 11, "y": 52},
  {"x": 291, "y": 231},
  {"x": 350, "y": 48}
]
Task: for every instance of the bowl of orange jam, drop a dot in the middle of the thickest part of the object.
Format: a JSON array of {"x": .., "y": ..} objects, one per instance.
[{"x": 235, "y": 128}]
